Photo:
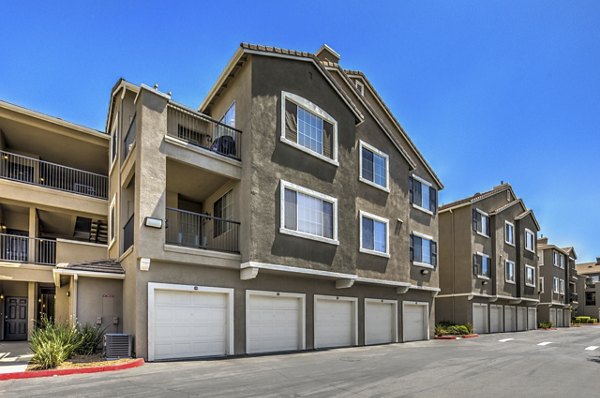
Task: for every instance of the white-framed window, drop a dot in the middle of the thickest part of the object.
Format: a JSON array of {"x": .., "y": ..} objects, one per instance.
[
  {"x": 556, "y": 285},
  {"x": 540, "y": 254},
  {"x": 423, "y": 250},
  {"x": 529, "y": 240},
  {"x": 562, "y": 286},
  {"x": 223, "y": 211},
  {"x": 555, "y": 260},
  {"x": 541, "y": 284},
  {"x": 112, "y": 220},
  {"x": 509, "y": 271},
  {"x": 481, "y": 223},
  {"x": 373, "y": 166},
  {"x": 482, "y": 265},
  {"x": 562, "y": 261},
  {"x": 529, "y": 275},
  {"x": 509, "y": 233},
  {"x": 374, "y": 234},
  {"x": 422, "y": 194},
  {"x": 308, "y": 214},
  {"x": 114, "y": 144},
  {"x": 229, "y": 116},
  {"x": 309, "y": 128},
  {"x": 360, "y": 87}
]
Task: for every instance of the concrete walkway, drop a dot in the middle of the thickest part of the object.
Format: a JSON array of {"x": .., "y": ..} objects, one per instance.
[{"x": 14, "y": 356}]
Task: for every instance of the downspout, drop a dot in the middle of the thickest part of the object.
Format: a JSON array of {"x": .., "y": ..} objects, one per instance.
[
  {"x": 453, "y": 267},
  {"x": 75, "y": 279}
]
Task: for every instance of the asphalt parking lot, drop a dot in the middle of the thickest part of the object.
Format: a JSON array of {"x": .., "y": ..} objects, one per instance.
[{"x": 556, "y": 363}]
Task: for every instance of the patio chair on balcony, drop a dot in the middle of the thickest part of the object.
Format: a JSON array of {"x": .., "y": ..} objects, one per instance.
[{"x": 224, "y": 145}]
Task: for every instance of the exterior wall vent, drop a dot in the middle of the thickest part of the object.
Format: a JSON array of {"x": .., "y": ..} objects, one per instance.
[{"x": 117, "y": 345}]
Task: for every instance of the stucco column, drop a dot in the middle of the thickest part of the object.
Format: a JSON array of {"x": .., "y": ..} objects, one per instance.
[
  {"x": 33, "y": 232},
  {"x": 31, "y": 307}
]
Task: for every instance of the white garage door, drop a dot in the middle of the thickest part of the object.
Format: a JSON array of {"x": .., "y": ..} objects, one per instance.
[
  {"x": 381, "y": 325},
  {"x": 414, "y": 321},
  {"x": 335, "y": 321},
  {"x": 567, "y": 318},
  {"x": 521, "y": 318},
  {"x": 553, "y": 316},
  {"x": 274, "y": 322},
  {"x": 510, "y": 318},
  {"x": 559, "y": 318},
  {"x": 185, "y": 323},
  {"x": 531, "y": 318},
  {"x": 480, "y": 318},
  {"x": 496, "y": 319}
]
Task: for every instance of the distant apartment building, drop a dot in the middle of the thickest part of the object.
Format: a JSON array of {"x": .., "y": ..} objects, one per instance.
[
  {"x": 588, "y": 285},
  {"x": 487, "y": 262},
  {"x": 558, "y": 283},
  {"x": 291, "y": 211}
]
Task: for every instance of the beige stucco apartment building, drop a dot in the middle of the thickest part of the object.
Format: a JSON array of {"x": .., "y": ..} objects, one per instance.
[
  {"x": 558, "y": 283},
  {"x": 291, "y": 211},
  {"x": 588, "y": 287},
  {"x": 488, "y": 263}
]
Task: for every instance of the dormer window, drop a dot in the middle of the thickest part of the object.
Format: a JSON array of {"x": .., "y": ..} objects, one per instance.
[{"x": 309, "y": 128}]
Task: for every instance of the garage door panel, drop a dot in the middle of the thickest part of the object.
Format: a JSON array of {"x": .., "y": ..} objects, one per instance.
[
  {"x": 380, "y": 322},
  {"x": 273, "y": 323},
  {"x": 414, "y": 322},
  {"x": 480, "y": 318},
  {"x": 510, "y": 318},
  {"x": 496, "y": 319},
  {"x": 335, "y": 322},
  {"x": 531, "y": 318},
  {"x": 189, "y": 324}
]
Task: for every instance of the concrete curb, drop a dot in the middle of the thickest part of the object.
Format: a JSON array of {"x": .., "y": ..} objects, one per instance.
[
  {"x": 445, "y": 337},
  {"x": 64, "y": 372},
  {"x": 453, "y": 337}
]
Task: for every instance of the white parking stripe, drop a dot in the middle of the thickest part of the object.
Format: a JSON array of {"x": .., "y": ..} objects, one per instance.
[
  {"x": 505, "y": 340},
  {"x": 545, "y": 343},
  {"x": 592, "y": 348}
]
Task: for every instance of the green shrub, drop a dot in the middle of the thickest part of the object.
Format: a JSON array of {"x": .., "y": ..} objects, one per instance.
[
  {"x": 545, "y": 325},
  {"x": 446, "y": 328},
  {"x": 582, "y": 319},
  {"x": 53, "y": 343},
  {"x": 469, "y": 327},
  {"x": 91, "y": 337},
  {"x": 593, "y": 320},
  {"x": 440, "y": 330}
]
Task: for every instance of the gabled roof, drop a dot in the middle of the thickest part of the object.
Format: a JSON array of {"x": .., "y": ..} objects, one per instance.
[
  {"x": 570, "y": 250},
  {"x": 588, "y": 268},
  {"x": 545, "y": 246},
  {"x": 121, "y": 84},
  {"x": 529, "y": 213},
  {"x": 478, "y": 197},
  {"x": 356, "y": 73},
  {"x": 508, "y": 206},
  {"x": 247, "y": 48}
]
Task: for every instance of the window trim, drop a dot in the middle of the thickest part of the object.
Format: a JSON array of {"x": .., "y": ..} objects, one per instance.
[
  {"x": 428, "y": 184},
  {"x": 360, "y": 87},
  {"x": 114, "y": 132},
  {"x": 362, "y": 144},
  {"x": 513, "y": 233},
  {"x": 112, "y": 221},
  {"x": 483, "y": 213},
  {"x": 317, "y": 111},
  {"x": 514, "y": 265},
  {"x": 540, "y": 258},
  {"x": 318, "y": 195},
  {"x": 532, "y": 250},
  {"x": 430, "y": 238},
  {"x": 556, "y": 286},
  {"x": 485, "y": 277},
  {"x": 222, "y": 119},
  {"x": 534, "y": 275},
  {"x": 541, "y": 284},
  {"x": 386, "y": 221}
]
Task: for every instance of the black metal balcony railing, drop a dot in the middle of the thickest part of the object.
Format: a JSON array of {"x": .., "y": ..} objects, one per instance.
[
  {"x": 128, "y": 234},
  {"x": 201, "y": 231},
  {"x": 16, "y": 248},
  {"x": 129, "y": 139},
  {"x": 202, "y": 131},
  {"x": 39, "y": 172}
]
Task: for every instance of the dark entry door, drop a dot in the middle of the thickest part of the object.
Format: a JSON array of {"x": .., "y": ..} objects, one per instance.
[{"x": 15, "y": 318}]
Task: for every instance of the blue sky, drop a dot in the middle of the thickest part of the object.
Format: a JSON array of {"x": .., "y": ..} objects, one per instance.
[{"x": 488, "y": 90}]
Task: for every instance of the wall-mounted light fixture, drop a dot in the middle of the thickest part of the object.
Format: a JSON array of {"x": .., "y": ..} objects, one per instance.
[
  {"x": 153, "y": 222},
  {"x": 424, "y": 272},
  {"x": 484, "y": 282},
  {"x": 68, "y": 294},
  {"x": 144, "y": 264},
  {"x": 1, "y": 296}
]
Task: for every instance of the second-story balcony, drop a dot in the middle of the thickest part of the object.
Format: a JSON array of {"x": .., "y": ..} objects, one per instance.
[
  {"x": 201, "y": 131},
  {"x": 574, "y": 298},
  {"x": 200, "y": 231},
  {"x": 23, "y": 249},
  {"x": 33, "y": 171}
]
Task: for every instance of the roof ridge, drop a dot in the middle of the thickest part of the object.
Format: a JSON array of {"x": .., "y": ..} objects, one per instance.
[{"x": 477, "y": 196}]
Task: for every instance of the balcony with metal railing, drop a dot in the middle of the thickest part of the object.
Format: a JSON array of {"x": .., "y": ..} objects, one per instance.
[
  {"x": 24, "y": 249},
  {"x": 204, "y": 132},
  {"x": 33, "y": 171},
  {"x": 129, "y": 140},
  {"x": 201, "y": 231}
]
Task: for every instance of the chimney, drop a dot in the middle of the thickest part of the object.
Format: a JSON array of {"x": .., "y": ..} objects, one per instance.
[
  {"x": 327, "y": 53},
  {"x": 542, "y": 240}
]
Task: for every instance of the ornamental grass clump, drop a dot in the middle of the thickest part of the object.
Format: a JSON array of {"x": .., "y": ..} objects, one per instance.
[{"x": 53, "y": 343}]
